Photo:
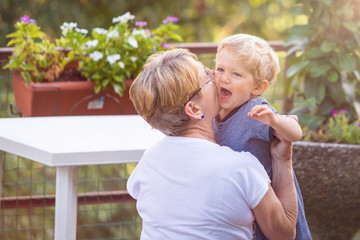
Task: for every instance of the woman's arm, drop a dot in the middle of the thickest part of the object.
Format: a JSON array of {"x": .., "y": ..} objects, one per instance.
[
  {"x": 284, "y": 125},
  {"x": 276, "y": 214}
]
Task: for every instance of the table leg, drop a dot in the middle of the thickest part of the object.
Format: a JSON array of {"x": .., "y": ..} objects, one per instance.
[
  {"x": 66, "y": 203},
  {"x": 2, "y": 158}
]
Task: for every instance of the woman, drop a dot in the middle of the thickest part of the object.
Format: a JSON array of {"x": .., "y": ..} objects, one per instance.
[{"x": 189, "y": 187}]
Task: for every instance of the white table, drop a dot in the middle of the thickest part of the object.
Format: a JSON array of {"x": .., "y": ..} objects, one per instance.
[{"x": 67, "y": 142}]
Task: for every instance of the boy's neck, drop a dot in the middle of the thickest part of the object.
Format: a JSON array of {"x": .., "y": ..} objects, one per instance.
[{"x": 223, "y": 116}]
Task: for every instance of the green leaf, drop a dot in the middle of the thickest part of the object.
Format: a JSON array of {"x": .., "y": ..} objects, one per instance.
[
  {"x": 27, "y": 67},
  {"x": 97, "y": 88},
  {"x": 315, "y": 52},
  {"x": 297, "y": 10},
  {"x": 105, "y": 83},
  {"x": 293, "y": 39},
  {"x": 296, "y": 68},
  {"x": 348, "y": 87},
  {"x": 333, "y": 76},
  {"x": 26, "y": 76},
  {"x": 96, "y": 76},
  {"x": 351, "y": 26},
  {"x": 326, "y": 107},
  {"x": 118, "y": 89},
  {"x": 357, "y": 74},
  {"x": 314, "y": 122},
  {"x": 315, "y": 88},
  {"x": 297, "y": 47},
  {"x": 318, "y": 69},
  {"x": 347, "y": 63},
  {"x": 335, "y": 92},
  {"x": 302, "y": 30},
  {"x": 327, "y": 46},
  {"x": 119, "y": 78}
]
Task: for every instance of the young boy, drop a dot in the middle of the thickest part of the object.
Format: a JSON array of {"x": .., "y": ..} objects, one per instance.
[{"x": 245, "y": 67}]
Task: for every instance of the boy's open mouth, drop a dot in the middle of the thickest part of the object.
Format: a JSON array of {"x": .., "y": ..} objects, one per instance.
[{"x": 224, "y": 94}]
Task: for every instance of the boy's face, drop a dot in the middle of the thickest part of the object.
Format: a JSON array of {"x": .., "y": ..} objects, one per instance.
[{"x": 234, "y": 82}]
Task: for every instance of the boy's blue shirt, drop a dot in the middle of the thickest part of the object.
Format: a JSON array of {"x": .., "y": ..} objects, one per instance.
[{"x": 242, "y": 133}]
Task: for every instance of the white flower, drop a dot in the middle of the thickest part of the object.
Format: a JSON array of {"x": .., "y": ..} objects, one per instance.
[
  {"x": 113, "y": 58},
  {"x": 123, "y": 18},
  {"x": 81, "y": 30},
  {"x": 113, "y": 34},
  {"x": 132, "y": 58},
  {"x": 96, "y": 56},
  {"x": 139, "y": 32},
  {"x": 100, "y": 31},
  {"x": 132, "y": 41},
  {"x": 92, "y": 43},
  {"x": 121, "y": 64},
  {"x": 65, "y": 27}
]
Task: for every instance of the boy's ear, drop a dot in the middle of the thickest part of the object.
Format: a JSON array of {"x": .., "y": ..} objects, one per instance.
[
  {"x": 260, "y": 87},
  {"x": 193, "y": 110}
]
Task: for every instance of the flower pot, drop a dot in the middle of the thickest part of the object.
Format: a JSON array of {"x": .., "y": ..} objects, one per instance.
[
  {"x": 329, "y": 178},
  {"x": 68, "y": 98}
]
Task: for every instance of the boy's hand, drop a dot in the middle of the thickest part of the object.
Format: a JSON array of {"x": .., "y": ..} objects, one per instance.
[{"x": 263, "y": 114}]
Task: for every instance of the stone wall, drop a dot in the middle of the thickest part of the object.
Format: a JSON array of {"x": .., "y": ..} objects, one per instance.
[{"x": 329, "y": 178}]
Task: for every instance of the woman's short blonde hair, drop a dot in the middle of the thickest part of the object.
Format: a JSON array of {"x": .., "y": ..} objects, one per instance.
[
  {"x": 163, "y": 87},
  {"x": 255, "y": 53}
]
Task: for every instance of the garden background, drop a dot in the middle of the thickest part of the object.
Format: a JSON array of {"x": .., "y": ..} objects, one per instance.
[{"x": 199, "y": 21}]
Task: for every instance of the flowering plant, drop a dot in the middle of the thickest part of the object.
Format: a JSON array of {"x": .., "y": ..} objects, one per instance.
[
  {"x": 34, "y": 55},
  {"x": 338, "y": 129},
  {"x": 107, "y": 57}
]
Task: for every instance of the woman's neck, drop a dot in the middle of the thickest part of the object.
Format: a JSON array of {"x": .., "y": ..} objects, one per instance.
[{"x": 199, "y": 131}]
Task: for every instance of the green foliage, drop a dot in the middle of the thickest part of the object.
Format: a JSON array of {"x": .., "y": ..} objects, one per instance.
[
  {"x": 33, "y": 54},
  {"x": 338, "y": 129},
  {"x": 201, "y": 21},
  {"x": 107, "y": 57},
  {"x": 325, "y": 65}
]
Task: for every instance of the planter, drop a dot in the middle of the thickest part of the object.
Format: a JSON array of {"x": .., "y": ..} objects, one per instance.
[
  {"x": 329, "y": 178},
  {"x": 68, "y": 98}
]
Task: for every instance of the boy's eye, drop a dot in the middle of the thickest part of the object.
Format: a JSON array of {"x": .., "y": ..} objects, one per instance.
[{"x": 237, "y": 74}]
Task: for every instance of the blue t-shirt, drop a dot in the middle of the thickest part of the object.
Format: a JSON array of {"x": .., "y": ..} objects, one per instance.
[{"x": 243, "y": 133}]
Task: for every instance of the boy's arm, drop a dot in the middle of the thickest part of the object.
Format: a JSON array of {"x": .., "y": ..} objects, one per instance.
[{"x": 286, "y": 126}]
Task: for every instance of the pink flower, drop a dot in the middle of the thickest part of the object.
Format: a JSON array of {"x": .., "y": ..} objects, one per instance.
[
  {"x": 165, "y": 45},
  {"x": 25, "y": 19},
  {"x": 170, "y": 19},
  {"x": 334, "y": 112},
  {"x": 141, "y": 23},
  {"x": 343, "y": 111}
]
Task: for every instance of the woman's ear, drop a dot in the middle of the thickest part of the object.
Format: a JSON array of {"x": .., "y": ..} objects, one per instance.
[
  {"x": 193, "y": 110},
  {"x": 260, "y": 87}
]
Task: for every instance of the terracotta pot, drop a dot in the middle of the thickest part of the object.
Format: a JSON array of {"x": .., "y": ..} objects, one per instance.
[{"x": 68, "y": 98}]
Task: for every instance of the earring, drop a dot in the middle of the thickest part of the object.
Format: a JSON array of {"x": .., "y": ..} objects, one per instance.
[{"x": 202, "y": 117}]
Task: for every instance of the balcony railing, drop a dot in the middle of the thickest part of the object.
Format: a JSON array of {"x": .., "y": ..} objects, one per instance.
[{"x": 103, "y": 196}]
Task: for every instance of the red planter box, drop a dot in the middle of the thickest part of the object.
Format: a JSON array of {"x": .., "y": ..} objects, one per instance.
[{"x": 68, "y": 98}]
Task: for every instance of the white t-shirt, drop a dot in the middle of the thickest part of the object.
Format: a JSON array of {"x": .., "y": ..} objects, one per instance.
[{"x": 189, "y": 188}]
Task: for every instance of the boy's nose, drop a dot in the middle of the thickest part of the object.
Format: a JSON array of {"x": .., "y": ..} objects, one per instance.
[{"x": 223, "y": 79}]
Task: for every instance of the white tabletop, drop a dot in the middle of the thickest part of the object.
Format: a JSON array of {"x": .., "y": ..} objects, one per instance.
[{"x": 78, "y": 140}]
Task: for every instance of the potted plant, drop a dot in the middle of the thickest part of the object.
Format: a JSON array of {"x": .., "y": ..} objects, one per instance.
[
  {"x": 324, "y": 78},
  {"x": 81, "y": 74}
]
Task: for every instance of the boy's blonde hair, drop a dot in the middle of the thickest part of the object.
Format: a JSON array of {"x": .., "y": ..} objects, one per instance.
[
  {"x": 255, "y": 53},
  {"x": 163, "y": 87}
]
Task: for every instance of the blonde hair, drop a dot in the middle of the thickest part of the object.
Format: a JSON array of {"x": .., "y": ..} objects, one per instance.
[
  {"x": 162, "y": 88},
  {"x": 255, "y": 53}
]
